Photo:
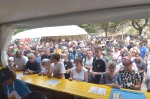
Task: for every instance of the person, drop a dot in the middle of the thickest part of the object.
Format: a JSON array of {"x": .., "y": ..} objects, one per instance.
[
  {"x": 10, "y": 62},
  {"x": 32, "y": 66},
  {"x": 35, "y": 95},
  {"x": 141, "y": 65},
  {"x": 13, "y": 88},
  {"x": 46, "y": 55},
  {"x": 57, "y": 68},
  {"x": 45, "y": 64},
  {"x": 98, "y": 65},
  {"x": 148, "y": 76},
  {"x": 111, "y": 78},
  {"x": 20, "y": 61},
  {"x": 129, "y": 77},
  {"x": 76, "y": 53},
  {"x": 87, "y": 63},
  {"x": 57, "y": 50},
  {"x": 26, "y": 51},
  {"x": 142, "y": 49},
  {"x": 68, "y": 65},
  {"x": 79, "y": 73}
]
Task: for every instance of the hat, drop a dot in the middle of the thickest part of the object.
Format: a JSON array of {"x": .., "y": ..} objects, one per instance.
[
  {"x": 5, "y": 74},
  {"x": 35, "y": 95}
]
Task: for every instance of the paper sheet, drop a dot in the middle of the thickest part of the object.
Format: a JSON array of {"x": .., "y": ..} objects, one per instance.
[
  {"x": 20, "y": 75},
  {"x": 116, "y": 96},
  {"x": 52, "y": 82},
  {"x": 95, "y": 90}
]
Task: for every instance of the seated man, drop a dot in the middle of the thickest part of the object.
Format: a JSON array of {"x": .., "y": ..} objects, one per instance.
[
  {"x": 32, "y": 66},
  {"x": 20, "y": 61},
  {"x": 57, "y": 68}
]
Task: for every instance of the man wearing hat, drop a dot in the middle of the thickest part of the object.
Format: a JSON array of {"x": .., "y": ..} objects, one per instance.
[{"x": 13, "y": 88}]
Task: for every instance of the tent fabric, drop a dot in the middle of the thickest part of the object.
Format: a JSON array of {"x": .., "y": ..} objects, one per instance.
[
  {"x": 44, "y": 13},
  {"x": 5, "y": 38},
  {"x": 56, "y": 32}
]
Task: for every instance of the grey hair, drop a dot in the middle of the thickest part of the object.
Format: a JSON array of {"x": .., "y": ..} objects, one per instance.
[
  {"x": 45, "y": 61},
  {"x": 111, "y": 63},
  {"x": 31, "y": 55}
]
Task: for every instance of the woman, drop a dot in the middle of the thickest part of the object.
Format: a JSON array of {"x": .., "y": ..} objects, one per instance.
[
  {"x": 44, "y": 66},
  {"x": 111, "y": 78},
  {"x": 79, "y": 73},
  {"x": 13, "y": 88},
  {"x": 129, "y": 77},
  {"x": 57, "y": 50}
]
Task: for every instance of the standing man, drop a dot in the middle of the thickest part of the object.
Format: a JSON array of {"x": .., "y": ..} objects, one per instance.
[
  {"x": 142, "y": 49},
  {"x": 141, "y": 65},
  {"x": 98, "y": 65}
]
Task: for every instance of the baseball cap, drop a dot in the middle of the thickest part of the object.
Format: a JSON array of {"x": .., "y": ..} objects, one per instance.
[
  {"x": 109, "y": 50},
  {"x": 5, "y": 74},
  {"x": 35, "y": 95}
]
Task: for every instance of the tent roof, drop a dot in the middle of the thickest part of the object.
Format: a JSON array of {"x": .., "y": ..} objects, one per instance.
[
  {"x": 51, "y": 31},
  {"x": 40, "y": 13}
]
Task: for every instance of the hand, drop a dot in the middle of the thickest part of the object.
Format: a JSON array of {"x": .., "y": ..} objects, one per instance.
[
  {"x": 30, "y": 71},
  {"x": 93, "y": 73},
  {"x": 40, "y": 74},
  {"x": 132, "y": 86},
  {"x": 13, "y": 68},
  {"x": 68, "y": 71},
  {"x": 26, "y": 73},
  {"x": 70, "y": 79}
]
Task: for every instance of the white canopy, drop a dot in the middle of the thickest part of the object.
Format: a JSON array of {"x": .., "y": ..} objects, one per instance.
[
  {"x": 46, "y": 13},
  {"x": 60, "y": 31}
]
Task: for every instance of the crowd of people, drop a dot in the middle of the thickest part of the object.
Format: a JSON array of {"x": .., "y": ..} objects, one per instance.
[{"x": 118, "y": 62}]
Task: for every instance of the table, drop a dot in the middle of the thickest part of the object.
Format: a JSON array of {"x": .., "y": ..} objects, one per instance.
[{"x": 72, "y": 87}]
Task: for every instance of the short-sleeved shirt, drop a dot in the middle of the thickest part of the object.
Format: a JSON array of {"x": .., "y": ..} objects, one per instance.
[
  {"x": 21, "y": 62},
  {"x": 58, "y": 68},
  {"x": 98, "y": 65},
  {"x": 129, "y": 78},
  {"x": 143, "y": 50},
  {"x": 141, "y": 66},
  {"x": 20, "y": 86},
  {"x": 79, "y": 76},
  {"x": 106, "y": 79}
]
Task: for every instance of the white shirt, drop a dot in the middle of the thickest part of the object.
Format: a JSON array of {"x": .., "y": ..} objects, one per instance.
[
  {"x": 148, "y": 70},
  {"x": 88, "y": 62},
  {"x": 58, "y": 68},
  {"x": 21, "y": 62},
  {"x": 78, "y": 76}
]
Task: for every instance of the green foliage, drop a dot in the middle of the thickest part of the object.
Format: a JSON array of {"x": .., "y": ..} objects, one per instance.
[
  {"x": 90, "y": 28},
  {"x": 16, "y": 31}
]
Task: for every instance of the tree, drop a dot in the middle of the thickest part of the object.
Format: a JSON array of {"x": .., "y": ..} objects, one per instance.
[
  {"x": 90, "y": 28},
  {"x": 109, "y": 25},
  {"x": 16, "y": 31},
  {"x": 139, "y": 24}
]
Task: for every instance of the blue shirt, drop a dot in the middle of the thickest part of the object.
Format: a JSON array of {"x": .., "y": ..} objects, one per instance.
[
  {"x": 20, "y": 86},
  {"x": 35, "y": 67},
  {"x": 143, "y": 50}
]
